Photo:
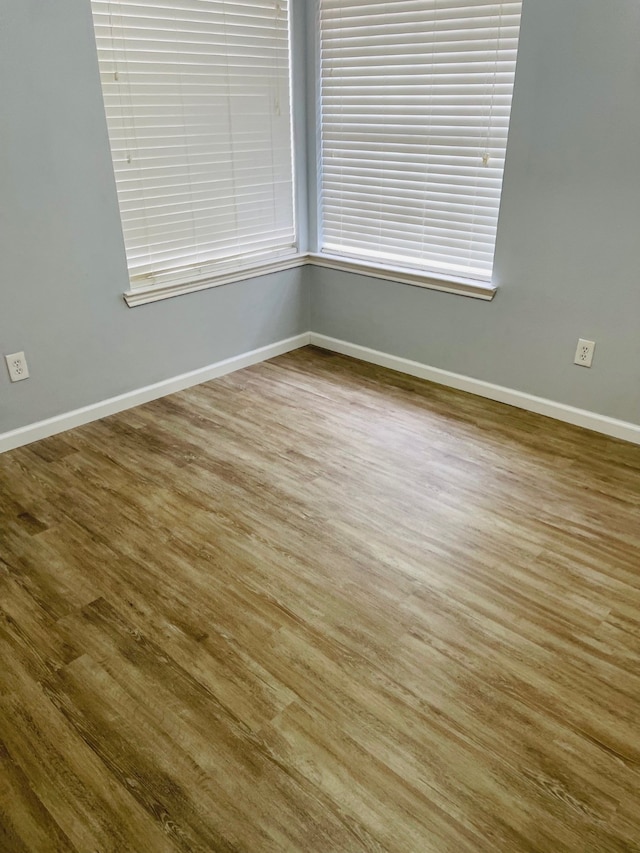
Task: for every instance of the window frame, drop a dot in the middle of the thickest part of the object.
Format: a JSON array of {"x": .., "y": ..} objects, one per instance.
[
  {"x": 164, "y": 286},
  {"x": 430, "y": 279},
  {"x": 305, "y": 108}
]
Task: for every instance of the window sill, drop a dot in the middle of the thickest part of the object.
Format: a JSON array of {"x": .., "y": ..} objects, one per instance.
[
  {"x": 447, "y": 284},
  {"x": 156, "y": 292}
]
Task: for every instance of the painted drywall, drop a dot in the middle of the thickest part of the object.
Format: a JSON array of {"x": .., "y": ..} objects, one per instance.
[
  {"x": 566, "y": 256},
  {"x": 62, "y": 262}
]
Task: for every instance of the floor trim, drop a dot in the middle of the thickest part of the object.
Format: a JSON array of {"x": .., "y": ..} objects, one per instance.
[
  {"x": 559, "y": 411},
  {"x": 568, "y": 414},
  {"x": 61, "y": 423}
]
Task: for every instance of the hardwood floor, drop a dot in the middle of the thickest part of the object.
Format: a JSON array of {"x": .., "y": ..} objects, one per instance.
[{"x": 319, "y": 606}]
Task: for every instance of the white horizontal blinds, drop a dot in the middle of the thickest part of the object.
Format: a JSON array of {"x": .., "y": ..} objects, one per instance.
[
  {"x": 197, "y": 96},
  {"x": 415, "y": 102}
]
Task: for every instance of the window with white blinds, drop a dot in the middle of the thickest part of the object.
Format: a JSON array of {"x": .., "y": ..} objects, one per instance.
[
  {"x": 197, "y": 97},
  {"x": 415, "y": 103}
]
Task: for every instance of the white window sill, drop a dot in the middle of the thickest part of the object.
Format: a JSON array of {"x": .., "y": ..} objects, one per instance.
[
  {"x": 447, "y": 284},
  {"x": 156, "y": 292}
]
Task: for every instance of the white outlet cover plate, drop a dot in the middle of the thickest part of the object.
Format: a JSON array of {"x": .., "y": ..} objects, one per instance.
[
  {"x": 17, "y": 366},
  {"x": 584, "y": 353}
]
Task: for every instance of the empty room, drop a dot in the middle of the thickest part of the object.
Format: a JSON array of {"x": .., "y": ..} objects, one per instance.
[{"x": 319, "y": 426}]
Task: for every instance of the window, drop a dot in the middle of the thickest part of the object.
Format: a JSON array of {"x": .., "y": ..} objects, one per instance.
[
  {"x": 415, "y": 103},
  {"x": 197, "y": 97}
]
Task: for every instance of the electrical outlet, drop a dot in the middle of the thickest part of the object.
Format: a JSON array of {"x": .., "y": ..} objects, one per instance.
[
  {"x": 17, "y": 365},
  {"x": 584, "y": 353}
]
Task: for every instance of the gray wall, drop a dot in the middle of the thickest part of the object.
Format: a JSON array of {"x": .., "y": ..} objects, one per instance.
[
  {"x": 62, "y": 262},
  {"x": 567, "y": 252}
]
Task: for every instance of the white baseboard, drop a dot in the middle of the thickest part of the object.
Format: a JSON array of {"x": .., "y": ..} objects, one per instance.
[
  {"x": 578, "y": 417},
  {"x": 79, "y": 417}
]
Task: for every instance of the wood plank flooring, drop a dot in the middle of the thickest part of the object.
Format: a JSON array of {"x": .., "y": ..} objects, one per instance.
[{"x": 320, "y": 606}]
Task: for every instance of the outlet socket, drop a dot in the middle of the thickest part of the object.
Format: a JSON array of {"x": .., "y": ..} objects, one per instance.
[
  {"x": 584, "y": 353},
  {"x": 17, "y": 366}
]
